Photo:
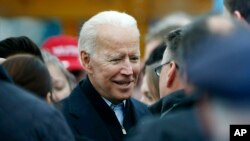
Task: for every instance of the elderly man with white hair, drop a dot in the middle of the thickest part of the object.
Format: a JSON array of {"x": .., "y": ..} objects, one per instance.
[{"x": 100, "y": 107}]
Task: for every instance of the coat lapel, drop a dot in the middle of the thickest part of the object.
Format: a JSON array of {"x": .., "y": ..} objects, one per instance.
[
  {"x": 85, "y": 119},
  {"x": 92, "y": 115}
]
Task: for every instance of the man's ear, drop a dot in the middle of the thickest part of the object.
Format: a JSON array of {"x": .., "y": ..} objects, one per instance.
[
  {"x": 85, "y": 59},
  {"x": 238, "y": 15},
  {"x": 171, "y": 74}
]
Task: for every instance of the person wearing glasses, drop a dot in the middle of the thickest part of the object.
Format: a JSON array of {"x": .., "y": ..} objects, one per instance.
[
  {"x": 172, "y": 79},
  {"x": 100, "y": 108},
  {"x": 170, "y": 82},
  {"x": 204, "y": 62}
]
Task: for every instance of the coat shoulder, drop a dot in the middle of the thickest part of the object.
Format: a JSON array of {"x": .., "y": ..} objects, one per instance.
[{"x": 140, "y": 107}]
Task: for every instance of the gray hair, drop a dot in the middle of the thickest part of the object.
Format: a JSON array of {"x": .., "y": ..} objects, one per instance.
[
  {"x": 168, "y": 24},
  {"x": 89, "y": 29},
  {"x": 174, "y": 40},
  {"x": 53, "y": 60}
]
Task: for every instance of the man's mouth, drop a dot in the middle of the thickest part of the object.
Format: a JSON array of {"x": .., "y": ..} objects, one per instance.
[{"x": 124, "y": 83}]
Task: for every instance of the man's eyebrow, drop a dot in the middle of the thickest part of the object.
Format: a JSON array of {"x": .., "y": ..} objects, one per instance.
[
  {"x": 137, "y": 54},
  {"x": 120, "y": 55},
  {"x": 114, "y": 56}
]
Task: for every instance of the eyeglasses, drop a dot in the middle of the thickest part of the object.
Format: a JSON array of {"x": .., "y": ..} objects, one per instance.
[{"x": 158, "y": 69}]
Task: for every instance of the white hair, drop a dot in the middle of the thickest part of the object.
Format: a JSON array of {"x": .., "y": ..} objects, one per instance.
[{"x": 89, "y": 29}]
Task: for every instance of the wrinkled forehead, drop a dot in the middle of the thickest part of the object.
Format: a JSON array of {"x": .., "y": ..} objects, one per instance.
[
  {"x": 119, "y": 52},
  {"x": 114, "y": 33},
  {"x": 112, "y": 39}
]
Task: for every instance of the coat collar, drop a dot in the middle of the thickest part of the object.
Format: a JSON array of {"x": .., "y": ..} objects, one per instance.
[
  {"x": 4, "y": 75},
  {"x": 86, "y": 117},
  {"x": 85, "y": 99},
  {"x": 92, "y": 114}
]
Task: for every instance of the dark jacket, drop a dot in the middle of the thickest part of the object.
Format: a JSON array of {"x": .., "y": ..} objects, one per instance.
[
  {"x": 184, "y": 125},
  {"x": 165, "y": 104},
  {"x": 24, "y": 117},
  {"x": 91, "y": 118},
  {"x": 181, "y": 123}
]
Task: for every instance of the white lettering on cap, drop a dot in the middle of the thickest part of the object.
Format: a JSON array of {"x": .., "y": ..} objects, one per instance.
[{"x": 68, "y": 50}]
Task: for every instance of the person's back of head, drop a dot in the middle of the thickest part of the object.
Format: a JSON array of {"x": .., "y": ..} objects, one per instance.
[
  {"x": 170, "y": 80},
  {"x": 19, "y": 45},
  {"x": 173, "y": 41},
  {"x": 200, "y": 29},
  {"x": 239, "y": 8},
  {"x": 156, "y": 55},
  {"x": 181, "y": 44},
  {"x": 222, "y": 67},
  {"x": 168, "y": 24},
  {"x": 219, "y": 71},
  {"x": 30, "y": 73},
  {"x": 158, "y": 32}
]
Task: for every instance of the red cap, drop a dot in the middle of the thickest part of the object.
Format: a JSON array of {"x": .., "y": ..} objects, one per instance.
[{"x": 65, "y": 49}]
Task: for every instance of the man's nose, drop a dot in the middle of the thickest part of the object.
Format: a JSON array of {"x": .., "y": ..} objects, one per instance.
[{"x": 127, "y": 68}]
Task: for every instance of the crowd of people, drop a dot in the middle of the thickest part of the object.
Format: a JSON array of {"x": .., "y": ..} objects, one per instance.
[{"x": 192, "y": 82}]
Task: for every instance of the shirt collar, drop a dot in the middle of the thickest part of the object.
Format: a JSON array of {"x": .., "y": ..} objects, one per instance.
[{"x": 110, "y": 103}]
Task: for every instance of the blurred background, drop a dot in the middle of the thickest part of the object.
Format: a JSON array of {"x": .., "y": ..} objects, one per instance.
[{"x": 39, "y": 19}]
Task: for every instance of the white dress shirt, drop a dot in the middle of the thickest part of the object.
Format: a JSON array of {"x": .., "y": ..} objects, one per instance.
[{"x": 118, "y": 109}]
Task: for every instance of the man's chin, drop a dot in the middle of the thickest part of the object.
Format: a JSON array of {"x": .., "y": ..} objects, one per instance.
[{"x": 124, "y": 96}]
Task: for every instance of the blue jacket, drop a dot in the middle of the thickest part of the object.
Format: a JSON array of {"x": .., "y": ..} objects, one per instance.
[
  {"x": 91, "y": 118},
  {"x": 24, "y": 117}
]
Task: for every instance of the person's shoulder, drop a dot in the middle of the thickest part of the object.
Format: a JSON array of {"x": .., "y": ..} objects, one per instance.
[
  {"x": 74, "y": 95},
  {"x": 77, "y": 102},
  {"x": 139, "y": 107},
  {"x": 66, "y": 104},
  {"x": 170, "y": 127},
  {"x": 155, "y": 108},
  {"x": 138, "y": 104},
  {"x": 188, "y": 102},
  {"x": 4, "y": 76},
  {"x": 174, "y": 97},
  {"x": 170, "y": 119},
  {"x": 187, "y": 119},
  {"x": 15, "y": 98},
  {"x": 180, "y": 115},
  {"x": 30, "y": 113},
  {"x": 167, "y": 102}
]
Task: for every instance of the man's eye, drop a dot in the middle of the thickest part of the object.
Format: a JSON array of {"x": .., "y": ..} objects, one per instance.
[
  {"x": 115, "y": 60},
  {"x": 134, "y": 58}
]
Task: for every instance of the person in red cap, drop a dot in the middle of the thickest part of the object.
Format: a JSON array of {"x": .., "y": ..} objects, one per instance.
[{"x": 64, "y": 47}]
